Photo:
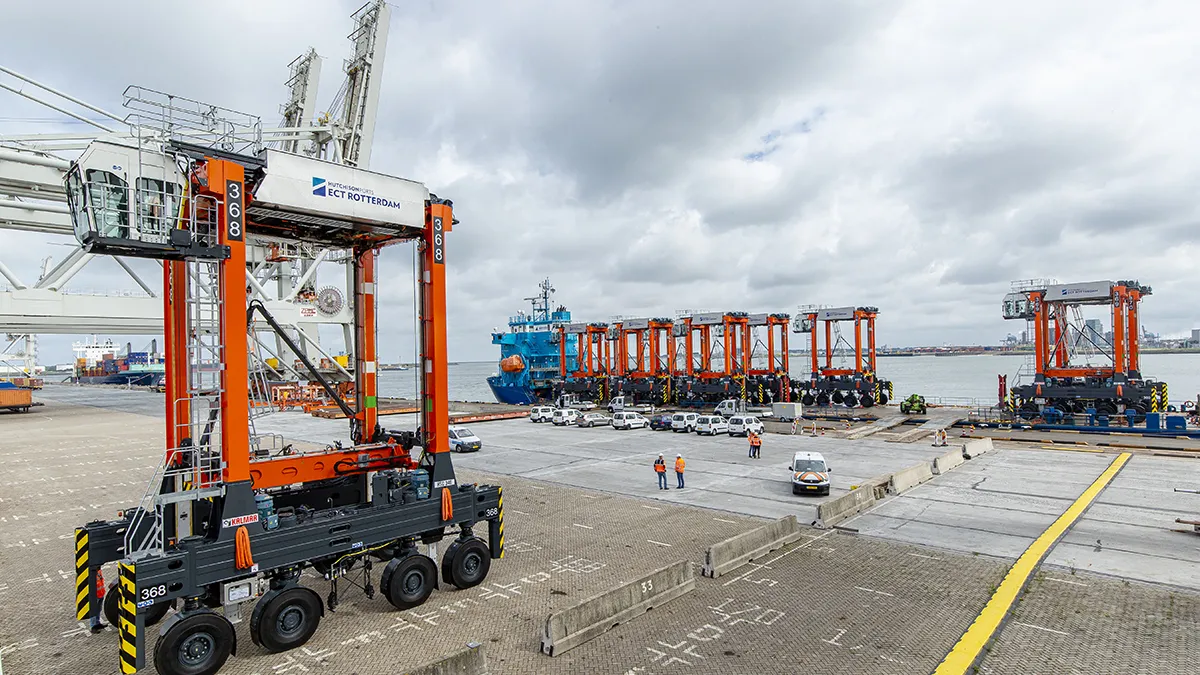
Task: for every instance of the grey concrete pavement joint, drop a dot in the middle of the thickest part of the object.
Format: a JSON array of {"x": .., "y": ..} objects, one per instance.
[
  {"x": 586, "y": 620},
  {"x": 470, "y": 660},
  {"x": 736, "y": 551}
]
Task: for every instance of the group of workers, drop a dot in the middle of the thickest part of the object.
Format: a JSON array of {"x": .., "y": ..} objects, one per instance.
[{"x": 660, "y": 464}]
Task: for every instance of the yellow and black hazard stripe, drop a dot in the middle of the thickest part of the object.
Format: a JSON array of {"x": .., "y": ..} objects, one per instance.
[
  {"x": 1154, "y": 399},
  {"x": 500, "y": 523},
  {"x": 127, "y": 628},
  {"x": 83, "y": 579}
]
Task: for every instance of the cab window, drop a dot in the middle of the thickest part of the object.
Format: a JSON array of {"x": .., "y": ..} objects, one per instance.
[{"x": 108, "y": 197}]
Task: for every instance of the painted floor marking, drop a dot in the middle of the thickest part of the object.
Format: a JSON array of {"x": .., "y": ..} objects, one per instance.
[
  {"x": 1048, "y": 630},
  {"x": 722, "y": 520},
  {"x": 586, "y": 527},
  {"x": 1065, "y": 581},
  {"x": 660, "y": 543},
  {"x": 968, "y": 648},
  {"x": 652, "y": 508}
]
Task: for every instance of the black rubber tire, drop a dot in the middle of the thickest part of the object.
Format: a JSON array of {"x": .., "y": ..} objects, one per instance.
[
  {"x": 822, "y": 400},
  {"x": 285, "y": 619},
  {"x": 850, "y": 399},
  {"x": 867, "y": 401},
  {"x": 198, "y": 644},
  {"x": 808, "y": 399},
  {"x": 836, "y": 397},
  {"x": 883, "y": 398},
  {"x": 153, "y": 615},
  {"x": 466, "y": 563},
  {"x": 408, "y": 582}
]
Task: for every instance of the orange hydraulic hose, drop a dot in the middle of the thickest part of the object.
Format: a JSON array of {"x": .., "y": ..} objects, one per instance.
[
  {"x": 242, "y": 557},
  {"x": 447, "y": 505}
]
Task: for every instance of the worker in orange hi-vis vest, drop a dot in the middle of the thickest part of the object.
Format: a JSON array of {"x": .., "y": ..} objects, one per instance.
[
  {"x": 679, "y": 464},
  {"x": 660, "y": 468},
  {"x": 756, "y": 446}
]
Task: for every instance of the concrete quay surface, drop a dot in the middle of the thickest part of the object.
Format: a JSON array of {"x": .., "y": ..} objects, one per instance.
[{"x": 583, "y": 516}]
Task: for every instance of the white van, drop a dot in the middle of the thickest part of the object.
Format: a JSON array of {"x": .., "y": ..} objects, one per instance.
[
  {"x": 463, "y": 439},
  {"x": 810, "y": 474},
  {"x": 565, "y": 416},
  {"x": 711, "y": 425},
  {"x": 629, "y": 420},
  {"x": 742, "y": 425},
  {"x": 683, "y": 421},
  {"x": 541, "y": 413}
]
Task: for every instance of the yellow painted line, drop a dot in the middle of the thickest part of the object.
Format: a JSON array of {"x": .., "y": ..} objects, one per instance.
[
  {"x": 1075, "y": 448},
  {"x": 971, "y": 644}
]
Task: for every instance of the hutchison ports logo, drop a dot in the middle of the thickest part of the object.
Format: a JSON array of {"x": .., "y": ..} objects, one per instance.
[{"x": 318, "y": 186}]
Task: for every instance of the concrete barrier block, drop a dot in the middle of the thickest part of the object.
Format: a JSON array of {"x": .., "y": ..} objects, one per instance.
[
  {"x": 852, "y": 503},
  {"x": 907, "y": 479},
  {"x": 977, "y": 446},
  {"x": 948, "y": 461},
  {"x": 590, "y": 618},
  {"x": 467, "y": 661},
  {"x": 741, "y": 549}
]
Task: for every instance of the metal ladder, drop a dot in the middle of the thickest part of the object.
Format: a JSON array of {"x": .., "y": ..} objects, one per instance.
[{"x": 190, "y": 472}]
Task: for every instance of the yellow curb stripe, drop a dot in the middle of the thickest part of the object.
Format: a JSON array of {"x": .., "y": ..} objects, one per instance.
[{"x": 971, "y": 644}]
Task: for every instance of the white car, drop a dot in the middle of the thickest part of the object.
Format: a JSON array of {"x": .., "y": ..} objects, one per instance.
[
  {"x": 742, "y": 425},
  {"x": 463, "y": 440},
  {"x": 565, "y": 416},
  {"x": 593, "y": 420},
  {"x": 711, "y": 425},
  {"x": 629, "y": 420},
  {"x": 810, "y": 474},
  {"x": 683, "y": 422},
  {"x": 541, "y": 413}
]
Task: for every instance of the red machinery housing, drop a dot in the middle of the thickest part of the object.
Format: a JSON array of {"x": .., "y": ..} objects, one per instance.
[
  {"x": 857, "y": 385},
  {"x": 1061, "y": 386}
]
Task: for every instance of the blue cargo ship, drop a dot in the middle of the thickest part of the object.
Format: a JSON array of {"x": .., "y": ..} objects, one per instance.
[{"x": 529, "y": 352}]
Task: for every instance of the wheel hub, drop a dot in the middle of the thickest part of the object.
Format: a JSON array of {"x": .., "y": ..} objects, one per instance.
[
  {"x": 291, "y": 620},
  {"x": 196, "y": 649}
]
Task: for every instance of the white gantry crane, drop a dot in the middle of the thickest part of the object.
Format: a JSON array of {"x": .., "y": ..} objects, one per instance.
[{"x": 283, "y": 276}]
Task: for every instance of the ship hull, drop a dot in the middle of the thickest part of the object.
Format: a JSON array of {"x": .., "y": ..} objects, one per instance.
[
  {"x": 138, "y": 379},
  {"x": 513, "y": 394}
]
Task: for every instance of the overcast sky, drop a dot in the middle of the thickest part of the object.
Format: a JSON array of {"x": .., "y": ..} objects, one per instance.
[{"x": 650, "y": 156}]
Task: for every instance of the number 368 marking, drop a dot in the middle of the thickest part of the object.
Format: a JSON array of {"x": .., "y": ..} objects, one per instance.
[{"x": 154, "y": 592}]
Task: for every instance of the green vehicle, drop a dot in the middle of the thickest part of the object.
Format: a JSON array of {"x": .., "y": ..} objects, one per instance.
[{"x": 913, "y": 405}]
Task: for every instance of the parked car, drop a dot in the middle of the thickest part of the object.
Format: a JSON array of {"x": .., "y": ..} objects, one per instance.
[
  {"x": 711, "y": 425},
  {"x": 810, "y": 473},
  {"x": 565, "y": 416},
  {"x": 593, "y": 419},
  {"x": 661, "y": 422},
  {"x": 541, "y": 413},
  {"x": 462, "y": 440},
  {"x": 742, "y": 425},
  {"x": 683, "y": 421},
  {"x": 629, "y": 420}
]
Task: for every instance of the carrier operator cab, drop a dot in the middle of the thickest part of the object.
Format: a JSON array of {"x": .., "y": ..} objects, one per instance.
[{"x": 810, "y": 474}]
